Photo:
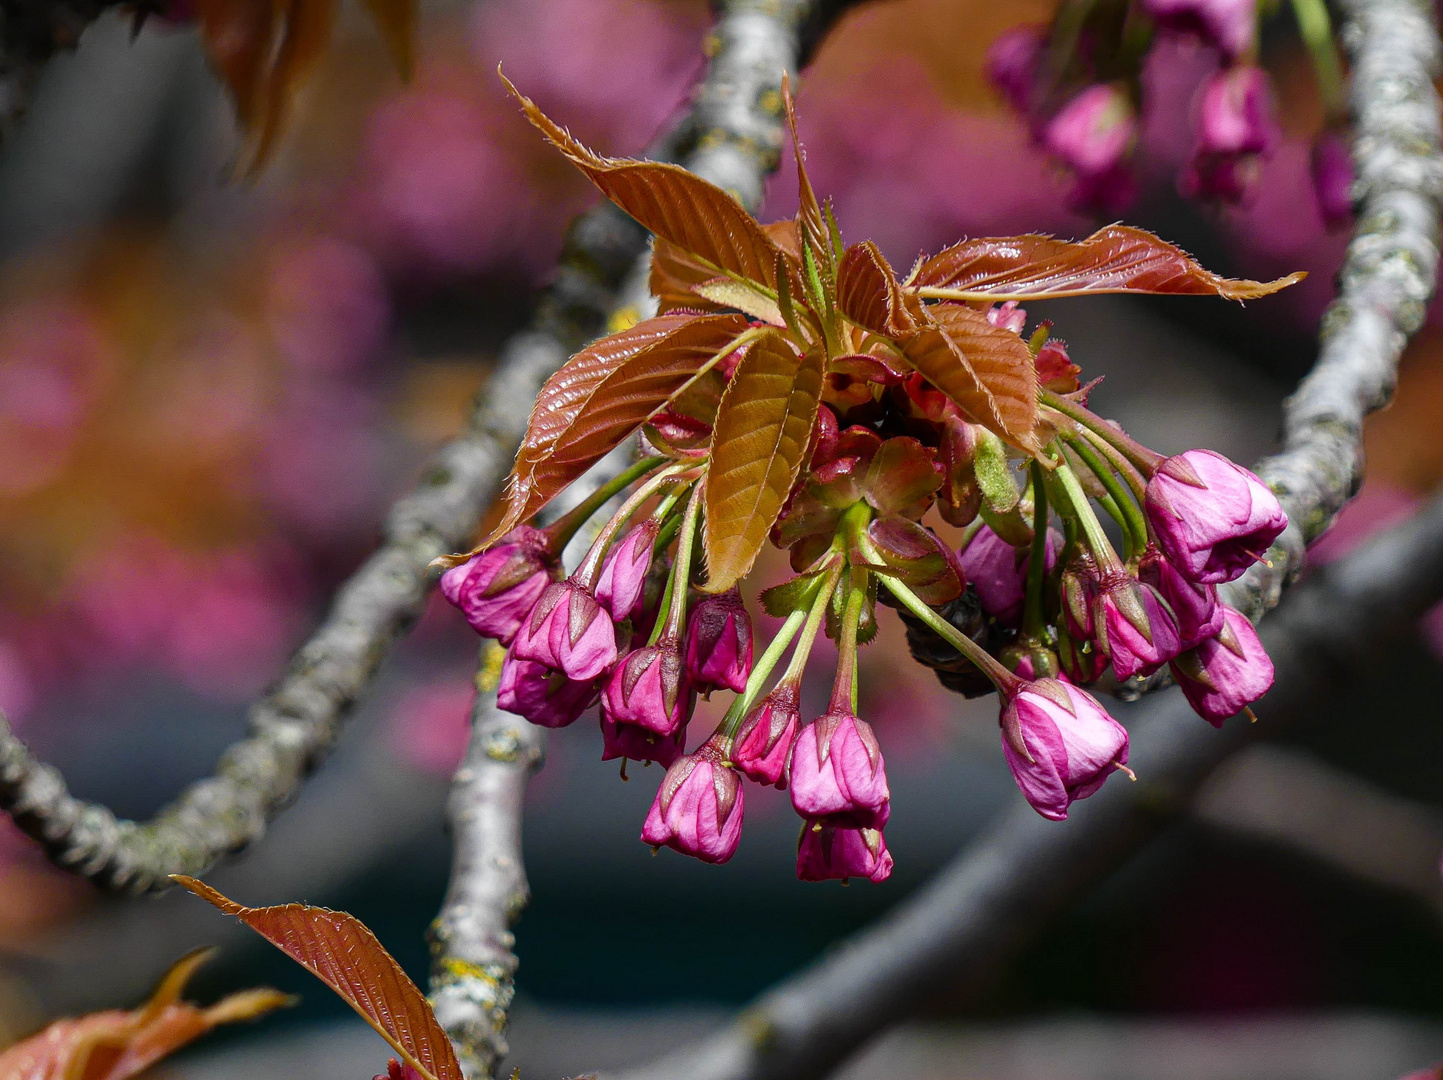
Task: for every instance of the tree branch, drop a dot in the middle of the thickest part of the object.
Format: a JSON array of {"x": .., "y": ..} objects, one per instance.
[
  {"x": 737, "y": 115},
  {"x": 990, "y": 901}
]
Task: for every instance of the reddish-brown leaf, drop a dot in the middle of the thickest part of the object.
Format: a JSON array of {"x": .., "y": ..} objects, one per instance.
[
  {"x": 304, "y": 36},
  {"x": 340, "y": 951},
  {"x": 868, "y": 293},
  {"x": 1117, "y": 258},
  {"x": 117, "y": 1044},
  {"x": 673, "y": 277},
  {"x": 239, "y": 37},
  {"x": 603, "y": 394},
  {"x": 986, "y": 370},
  {"x": 760, "y": 441},
  {"x": 697, "y": 216},
  {"x": 396, "y": 20},
  {"x": 810, "y": 223}
]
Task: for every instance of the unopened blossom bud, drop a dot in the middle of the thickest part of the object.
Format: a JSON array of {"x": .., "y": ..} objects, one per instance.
[
  {"x": 698, "y": 808},
  {"x": 1213, "y": 518},
  {"x": 1226, "y": 673},
  {"x": 622, "y": 583},
  {"x": 1235, "y": 112},
  {"x": 1135, "y": 628},
  {"x": 567, "y": 630},
  {"x": 497, "y": 588},
  {"x": 837, "y": 773},
  {"x": 623, "y": 740},
  {"x": 649, "y": 689},
  {"x": 396, "y": 1071},
  {"x": 1013, "y": 62},
  {"x": 764, "y": 740},
  {"x": 1078, "y": 588},
  {"x": 1230, "y": 26},
  {"x": 1093, "y": 132},
  {"x": 998, "y": 572},
  {"x": 541, "y": 694},
  {"x": 828, "y": 852},
  {"x": 1060, "y": 744},
  {"x": 1195, "y": 607},
  {"x": 719, "y": 642},
  {"x": 1332, "y": 171}
]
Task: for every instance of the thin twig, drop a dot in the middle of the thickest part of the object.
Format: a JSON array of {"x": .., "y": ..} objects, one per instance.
[
  {"x": 737, "y": 113},
  {"x": 993, "y": 898}
]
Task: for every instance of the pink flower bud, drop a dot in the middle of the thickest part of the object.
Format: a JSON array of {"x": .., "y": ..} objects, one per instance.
[
  {"x": 1228, "y": 25},
  {"x": 1093, "y": 132},
  {"x": 1213, "y": 519},
  {"x": 698, "y": 808},
  {"x": 622, "y": 740},
  {"x": 497, "y": 588},
  {"x": 1194, "y": 605},
  {"x": 622, "y": 583},
  {"x": 569, "y": 631},
  {"x": 1332, "y": 169},
  {"x": 543, "y": 695},
  {"x": 1235, "y": 113},
  {"x": 837, "y": 773},
  {"x": 1134, "y": 628},
  {"x": 396, "y": 1071},
  {"x": 1013, "y": 62},
  {"x": 826, "y": 852},
  {"x": 1060, "y": 744},
  {"x": 649, "y": 689},
  {"x": 1225, "y": 673},
  {"x": 998, "y": 571},
  {"x": 719, "y": 642},
  {"x": 765, "y": 738}
]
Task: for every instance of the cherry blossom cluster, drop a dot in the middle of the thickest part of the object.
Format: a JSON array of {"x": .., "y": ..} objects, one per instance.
[
  {"x": 1078, "y": 83},
  {"x": 632, "y": 627}
]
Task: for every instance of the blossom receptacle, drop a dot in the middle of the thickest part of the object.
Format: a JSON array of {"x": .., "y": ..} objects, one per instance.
[
  {"x": 829, "y": 852},
  {"x": 1213, "y": 519},
  {"x": 719, "y": 642},
  {"x": 541, "y": 694},
  {"x": 497, "y": 589},
  {"x": 1060, "y": 744},
  {"x": 764, "y": 740},
  {"x": 567, "y": 630},
  {"x": 1226, "y": 673},
  {"x": 837, "y": 773},
  {"x": 698, "y": 808}
]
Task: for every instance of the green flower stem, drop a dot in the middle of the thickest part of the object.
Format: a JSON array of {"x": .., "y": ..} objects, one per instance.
[
  {"x": 590, "y": 568},
  {"x": 844, "y": 689},
  {"x": 674, "y": 602},
  {"x": 1316, "y": 28},
  {"x": 1006, "y": 682},
  {"x": 1095, "y": 539},
  {"x": 667, "y": 534},
  {"x": 798, "y": 667},
  {"x": 1124, "y": 468},
  {"x": 566, "y": 526},
  {"x": 1037, "y": 562},
  {"x": 1145, "y": 459},
  {"x": 1131, "y": 520},
  {"x": 761, "y": 671}
]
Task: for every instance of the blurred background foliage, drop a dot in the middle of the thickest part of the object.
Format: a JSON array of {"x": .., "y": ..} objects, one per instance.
[{"x": 210, "y": 391}]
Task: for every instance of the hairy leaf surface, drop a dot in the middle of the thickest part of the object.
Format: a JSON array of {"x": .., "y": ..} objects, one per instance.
[
  {"x": 1117, "y": 258},
  {"x": 574, "y": 416},
  {"x": 340, "y": 951},
  {"x": 868, "y": 293},
  {"x": 986, "y": 370},
  {"x": 117, "y": 1044},
  {"x": 677, "y": 205},
  {"x": 762, "y": 431}
]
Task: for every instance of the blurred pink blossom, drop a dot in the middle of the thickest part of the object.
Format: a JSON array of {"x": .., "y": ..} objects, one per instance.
[
  {"x": 17, "y": 687},
  {"x": 326, "y": 304},
  {"x": 431, "y": 723}
]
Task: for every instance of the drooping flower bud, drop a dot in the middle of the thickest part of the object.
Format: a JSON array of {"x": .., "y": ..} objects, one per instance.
[
  {"x": 396, "y": 1071},
  {"x": 1030, "y": 660},
  {"x": 649, "y": 689},
  {"x": 1013, "y": 62},
  {"x": 827, "y": 852},
  {"x": 1135, "y": 628},
  {"x": 1060, "y": 744},
  {"x": 1226, "y": 673},
  {"x": 1213, "y": 518},
  {"x": 837, "y": 773},
  {"x": 719, "y": 642},
  {"x": 622, "y": 583},
  {"x": 698, "y": 808},
  {"x": 1194, "y": 605},
  {"x": 567, "y": 630},
  {"x": 541, "y": 694},
  {"x": 998, "y": 572},
  {"x": 765, "y": 738},
  {"x": 1094, "y": 131},
  {"x": 1332, "y": 171},
  {"x": 1235, "y": 127},
  {"x": 1230, "y": 26},
  {"x": 497, "y": 588},
  {"x": 623, "y": 740}
]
